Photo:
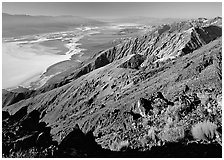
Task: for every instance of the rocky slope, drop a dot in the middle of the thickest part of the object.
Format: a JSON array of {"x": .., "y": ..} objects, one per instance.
[
  {"x": 143, "y": 94},
  {"x": 166, "y": 42}
]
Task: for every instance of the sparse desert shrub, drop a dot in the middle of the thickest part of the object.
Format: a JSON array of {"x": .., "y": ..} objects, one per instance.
[
  {"x": 218, "y": 65},
  {"x": 152, "y": 134},
  {"x": 204, "y": 131},
  {"x": 143, "y": 141},
  {"x": 31, "y": 153},
  {"x": 172, "y": 114},
  {"x": 149, "y": 138},
  {"x": 172, "y": 134},
  {"x": 219, "y": 100},
  {"x": 119, "y": 146},
  {"x": 145, "y": 122}
]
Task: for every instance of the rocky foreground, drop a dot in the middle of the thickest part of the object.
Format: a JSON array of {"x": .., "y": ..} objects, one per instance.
[{"x": 158, "y": 95}]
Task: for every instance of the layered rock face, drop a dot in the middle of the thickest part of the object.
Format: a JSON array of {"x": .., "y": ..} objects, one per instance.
[{"x": 146, "y": 92}]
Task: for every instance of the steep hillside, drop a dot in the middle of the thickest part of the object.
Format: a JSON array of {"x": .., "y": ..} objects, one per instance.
[
  {"x": 164, "y": 43},
  {"x": 178, "y": 39},
  {"x": 102, "y": 100},
  {"x": 144, "y": 96}
]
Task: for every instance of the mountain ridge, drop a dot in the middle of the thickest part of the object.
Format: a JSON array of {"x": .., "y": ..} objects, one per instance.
[
  {"x": 151, "y": 46},
  {"x": 130, "y": 95}
]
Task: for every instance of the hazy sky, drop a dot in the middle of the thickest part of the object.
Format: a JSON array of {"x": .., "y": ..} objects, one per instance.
[{"x": 117, "y": 9}]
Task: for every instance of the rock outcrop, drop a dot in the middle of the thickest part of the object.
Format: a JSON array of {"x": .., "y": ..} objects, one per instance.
[
  {"x": 133, "y": 62},
  {"x": 78, "y": 144}
]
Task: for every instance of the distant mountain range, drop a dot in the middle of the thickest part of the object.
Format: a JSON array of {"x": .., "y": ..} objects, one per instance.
[
  {"x": 144, "y": 20},
  {"x": 18, "y": 25}
]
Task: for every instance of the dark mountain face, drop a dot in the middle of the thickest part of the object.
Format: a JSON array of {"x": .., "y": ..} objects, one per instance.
[{"x": 142, "y": 96}]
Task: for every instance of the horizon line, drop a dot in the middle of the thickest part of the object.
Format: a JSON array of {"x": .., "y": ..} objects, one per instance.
[{"x": 137, "y": 16}]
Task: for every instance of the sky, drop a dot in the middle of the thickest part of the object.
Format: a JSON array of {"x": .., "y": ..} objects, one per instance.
[{"x": 116, "y": 9}]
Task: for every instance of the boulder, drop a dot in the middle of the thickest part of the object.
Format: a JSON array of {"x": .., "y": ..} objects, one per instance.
[
  {"x": 142, "y": 107},
  {"x": 159, "y": 101},
  {"x": 31, "y": 121},
  {"x": 78, "y": 144}
]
